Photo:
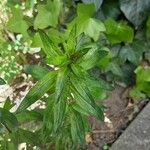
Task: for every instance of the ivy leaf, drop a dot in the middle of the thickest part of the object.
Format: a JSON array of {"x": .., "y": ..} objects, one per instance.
[
  {"x": 37, "y": 91},
  {"x": 133, "y": 52},
  {"x": 47, "y": 14},
  {"x": 111, "y": 9},
  {"x": 97, "y": 3},
  {"x": 16, "y": 23},
  {"x": 115, "y": 69},
  {"x": 118, "y": 32},
  {"x": 135, "y": 10},
  {"x": 127, "y": 53},
  {"x": 85, "y": 24},
  {"x": 142, "y": 86}
]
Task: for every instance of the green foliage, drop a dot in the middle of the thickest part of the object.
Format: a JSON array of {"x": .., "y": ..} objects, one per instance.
[
  {"x": 47, "y": 14},
  {"x": 142, "y": 87},
  {"x": 118, "y": 32},
  {"x": 97, "y": 3},
  {"x": 72, "y": 44},
  {"x": 67, "y": 86},
  {"x": 85, "y": 24},
  {"x": 136, "y": 11},
  {"x": 148, "y": 28},
  {"x": 16, "y": 23}
]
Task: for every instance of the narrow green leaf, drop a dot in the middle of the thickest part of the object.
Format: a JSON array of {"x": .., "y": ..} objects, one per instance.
[
  {"x": 77, "y": 128},
  {"x": 2, "y": 81},
  {"x": 8, "y": 105},
  {"x": 50, "y": 48},
  {"x": 37, "y": 91},
  {"x": 30, "y": 116},
  {"x": 8, "y": 119},
  {"x": 85, "y": 100},
  {"x": 70, "y": 46},
  {"x": 36, "y": 71},
  {"x": 59, "y": 113},
  {"x": 60, "y": 84},
  {"x": 27, "y": 137}
]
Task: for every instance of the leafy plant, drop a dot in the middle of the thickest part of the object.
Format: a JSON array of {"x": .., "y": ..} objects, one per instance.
[
  {"x": 72, "y": 38},
  {"x": 69, "y": 84},
  {"x": 142, "y": 87}
]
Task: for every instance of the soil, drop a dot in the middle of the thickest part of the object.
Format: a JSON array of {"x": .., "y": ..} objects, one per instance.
[{"x": 122, "y": 110}]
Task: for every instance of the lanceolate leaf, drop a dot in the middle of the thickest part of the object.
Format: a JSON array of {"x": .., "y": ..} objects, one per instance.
[
  {"x": 37, "y": 91},
  {"x": 85, "y": 100},
  {"x": 70, "y": 46},
  {"x": 60, "y": 83},
  {"x": 148, "y": 27},
  {"x": 77, "y": 128},
  {"x": 8, "y": 119},
  {"x": 59, "y": 113},
  {"x": 50, "y": 48},
  {"x": 27, "y": 116},
  {"x": 8, "y": 104},
  {"x": 36, "y": 71}
]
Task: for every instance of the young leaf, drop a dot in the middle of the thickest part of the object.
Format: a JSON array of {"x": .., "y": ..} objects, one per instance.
[
  {"x": 70, "y": 46},
  {"x": 50, "y": 48},
  {"x": 47, "y": 14},
  {"x": 16, "y": 23},
  {"x": 37, "y": 91},
  {"x": 85, "y": 24},
  {"x": 118, "y": 32}
]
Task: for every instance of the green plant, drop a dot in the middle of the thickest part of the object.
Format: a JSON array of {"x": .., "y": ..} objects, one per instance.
[
  {"x": 142, "y": 86},
  {"x": 74, "y": 38},
  {"x": 71, "y": 99}
]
